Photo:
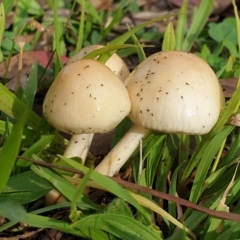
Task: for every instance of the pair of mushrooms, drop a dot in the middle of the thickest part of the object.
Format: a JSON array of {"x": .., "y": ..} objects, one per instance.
[{"x": 172, "y": 92}]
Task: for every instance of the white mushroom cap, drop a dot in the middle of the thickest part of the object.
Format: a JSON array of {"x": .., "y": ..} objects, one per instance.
[
  {"x": 175, "y": 92},
  {"x": 86, "y": 97},
  {"x": 115, "y": 63}
]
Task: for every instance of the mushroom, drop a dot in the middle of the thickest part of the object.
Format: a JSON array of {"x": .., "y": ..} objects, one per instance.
[
  {"x": 118, "y": 66},
  {"x": 172, "y": 92},
  {"x": 115, "y": 63},
  {"x": 86, "y": 97}
]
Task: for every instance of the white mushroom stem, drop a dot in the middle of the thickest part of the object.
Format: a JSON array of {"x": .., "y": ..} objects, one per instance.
[
  {"x": 78, "y": 146},
  {"x": 118, "y": 156},
  {"x": 87, "y": 147}
]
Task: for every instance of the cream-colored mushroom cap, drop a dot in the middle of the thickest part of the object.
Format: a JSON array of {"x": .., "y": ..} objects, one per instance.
[
  {"x": 175, "y": 92},
  {"x": 115, "y": 63},
  {"x": 86, "y": 97}
]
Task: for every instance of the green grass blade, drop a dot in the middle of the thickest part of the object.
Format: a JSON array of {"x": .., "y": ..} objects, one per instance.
[
  {"x": 232, "y": 155},
  {"x": 181, "y": 25},
  {"x": 46, "y": 222},
  {"x": 169, "y": 41},
  {"x": 140, "y": 52},
  {"x": 11, "y": 149},
  {"x": 35, "y": 148},
  {"x": 205, "y": 163},
  {"x": 232, "y": 232},
  {"x": 120, "y": 207},
  {"x": 120, "y": 226},
  {"x": 13, "y": 107},
  {"x": 232, "y": 106},
  {"x": 65, "y": 187},
  {"x": 57, "y": 37},
  {"x": 200, "y": 16},
  {"x": 81, "y": 26},
  {"x": 24, "y": 188},
  {"x": 172, "y": 208},
  {"x": 152, "y": 157},
  {"x": 30, "y": 90},
  {"x": 74, "y": 215},
  {"x": 2, "y": 28},
  {"x": 124, "y": 37},
  {"x": 106, "y": 51},
  {"x": 167, "y": 159},
  {"x": 106, "y": 183},
  {"x": 164, "y": 214},
  {"x": 12, "y": 210},
  {"x": 196, "y": 218},
  {"x": 117, "y": 17},
  {"x": 8, "y": 5}
]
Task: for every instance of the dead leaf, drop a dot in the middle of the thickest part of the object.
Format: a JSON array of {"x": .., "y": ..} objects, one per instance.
[
  {"x": 101, "y": 4},
  {"x": 219, "y": 5},
  {"x": 235, "y": 120},
  {"x": 41, "y": 57},
  {"x": 228, "y": 86}
]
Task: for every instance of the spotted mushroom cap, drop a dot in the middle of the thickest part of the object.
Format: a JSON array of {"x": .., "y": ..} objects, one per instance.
[
  {"x": 175, "y": 92},
  {"x": 115, "y": 63},
  {"x": 86, "y": 97}
]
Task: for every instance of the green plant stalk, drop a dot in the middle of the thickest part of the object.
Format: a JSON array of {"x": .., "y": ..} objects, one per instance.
[
  {"x": 200, "y": 17},
  {"x": 216, "y": 161},
  {"x": 140, "y": 52},
  {"x": 57, "y": 36},
  {"x": 81, "y": 26},
  {"x": 181, "y": 25},
  {"x": 80, "y": 188},
  {"x": 2, "y": 27}
]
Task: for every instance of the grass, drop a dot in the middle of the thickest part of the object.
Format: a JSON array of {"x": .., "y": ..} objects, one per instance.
[{"x": 203, "y": 170}]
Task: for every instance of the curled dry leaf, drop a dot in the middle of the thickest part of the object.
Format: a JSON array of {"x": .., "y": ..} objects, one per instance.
[{"x": 235, "y": 120}]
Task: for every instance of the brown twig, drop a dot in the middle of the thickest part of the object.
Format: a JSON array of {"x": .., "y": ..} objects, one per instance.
[{"x": 218, "y": 214}]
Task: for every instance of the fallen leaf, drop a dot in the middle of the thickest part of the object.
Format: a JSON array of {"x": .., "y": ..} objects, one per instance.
[
  {"x": 228, "y": 86},
  {"x": 41, "y": 57},
  {"x": 219, "y": 5}
]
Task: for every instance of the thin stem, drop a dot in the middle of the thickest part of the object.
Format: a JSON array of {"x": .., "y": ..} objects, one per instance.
[
  {"x": 118, "y": 156},
  {"x": 78, "y": 146}
]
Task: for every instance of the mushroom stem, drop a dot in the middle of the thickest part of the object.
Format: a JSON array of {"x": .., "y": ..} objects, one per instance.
[
  {"x": 118, "y": 156},
  {"x": 87, "y": 147},
  {"x": 78, "y": 146}
]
